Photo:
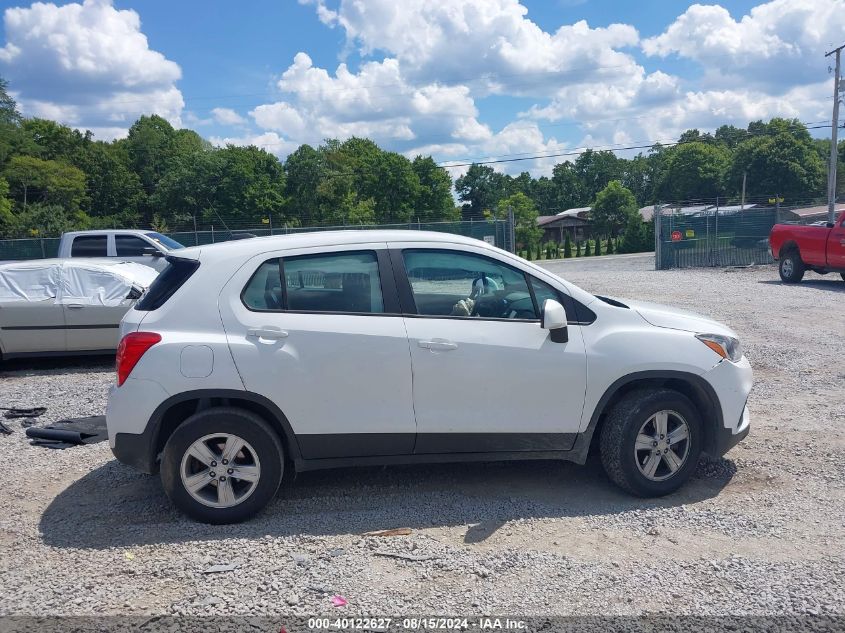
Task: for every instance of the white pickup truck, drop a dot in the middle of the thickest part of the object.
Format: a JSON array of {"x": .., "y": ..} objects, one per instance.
[{"x": 144, "y": 247}]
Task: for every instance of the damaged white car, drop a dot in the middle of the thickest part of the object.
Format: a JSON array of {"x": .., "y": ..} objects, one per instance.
[{"x": 54, "y": 307}]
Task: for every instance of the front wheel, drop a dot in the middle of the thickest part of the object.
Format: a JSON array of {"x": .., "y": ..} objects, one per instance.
[
  {"x": 222, "y": 465},
  {"x": 791, "y": 268},
  {"x": 651, "y": 441}
]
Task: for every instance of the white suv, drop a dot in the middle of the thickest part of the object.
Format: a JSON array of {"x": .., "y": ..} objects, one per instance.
[{"x": 382, "y": 347}]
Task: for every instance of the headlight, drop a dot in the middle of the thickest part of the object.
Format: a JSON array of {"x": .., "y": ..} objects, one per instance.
[{"x": 725, "y": 346}]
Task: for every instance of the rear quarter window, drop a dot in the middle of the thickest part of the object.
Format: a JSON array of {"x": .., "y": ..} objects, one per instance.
[{"x": 173, "y": 277}]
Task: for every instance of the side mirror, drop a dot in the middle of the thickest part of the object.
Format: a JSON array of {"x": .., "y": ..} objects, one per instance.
[
  {"x": 151, "y": 251},
  {"x": 553, "y": 318},
  {"x": 830, "y": 225}
]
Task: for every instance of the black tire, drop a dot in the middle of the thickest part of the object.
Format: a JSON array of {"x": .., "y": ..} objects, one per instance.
[
  {"x": 791, "y": 268},
  {"x": 619, "y": 434},
  {"x": 244, "y": 424}
]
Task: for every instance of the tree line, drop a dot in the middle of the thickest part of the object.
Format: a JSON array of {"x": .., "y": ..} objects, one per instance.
[{"x": 54, "y": 178}]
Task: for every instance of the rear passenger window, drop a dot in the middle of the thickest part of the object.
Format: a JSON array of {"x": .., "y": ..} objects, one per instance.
[
  {"x": 89, "y": 246},
  {"x": 346, "y": 282}
]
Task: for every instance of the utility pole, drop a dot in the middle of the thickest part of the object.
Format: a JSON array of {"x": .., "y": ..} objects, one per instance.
[{"x": 834, "y": 130}]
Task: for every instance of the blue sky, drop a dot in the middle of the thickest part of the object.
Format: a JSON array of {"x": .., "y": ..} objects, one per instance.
[{"x": 460, "y": 79}]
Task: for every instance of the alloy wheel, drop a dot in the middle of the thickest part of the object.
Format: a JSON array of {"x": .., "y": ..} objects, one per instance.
[
  {"x": 662, "y": 445},
  {"x": 220, "y": 470}
]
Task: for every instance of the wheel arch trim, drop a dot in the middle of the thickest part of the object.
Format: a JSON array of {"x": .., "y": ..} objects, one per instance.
[
  {"x": 278, "y": 419},
  {"x": 696, "y": 382}
]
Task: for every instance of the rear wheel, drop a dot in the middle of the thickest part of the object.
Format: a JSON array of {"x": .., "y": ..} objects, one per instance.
[
  {"x": 651, "y": 441},
  {"x": 791, "y": 268},
  {"x": 222, "y": 465}
]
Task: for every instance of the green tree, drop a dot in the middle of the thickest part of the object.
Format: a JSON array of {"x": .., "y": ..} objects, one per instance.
[
  {"x": 434, "y": 202},
  {"x": 41, "y": 219},
  {"x": 695, "y": 171},
  {"x": 53, "y": 141},
  {"x": 567, "y": 247},
  {"x": 5, "y": 206},
  {"x": 565, "y": 188},
  {"x": 780, "y": 159},
  {"x": 613, "y": 206},
  {"x": 525, "y": 215},
  {"x": 304, "y": 170},
  {"x": 588, "y": 252},
  {"x": 637, "y": 236},
  {"x": 594, "y": 171},
  {"x": 32, "y": 180},
  {"x": 598, "y": 246},
  {"x": 480, "y": 189},
  {"x": 114, "y": 191}
]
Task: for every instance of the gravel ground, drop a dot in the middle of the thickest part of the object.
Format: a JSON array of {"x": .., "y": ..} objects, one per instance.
[{"x": 759, "y": 533}]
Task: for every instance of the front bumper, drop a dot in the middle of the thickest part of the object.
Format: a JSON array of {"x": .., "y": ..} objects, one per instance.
[
  {"x": 727, "y": 438},
  {"x": 732, "y": 384}
]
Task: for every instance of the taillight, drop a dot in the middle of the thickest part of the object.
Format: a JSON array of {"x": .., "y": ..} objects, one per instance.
[{"x": 129, "y": 352}]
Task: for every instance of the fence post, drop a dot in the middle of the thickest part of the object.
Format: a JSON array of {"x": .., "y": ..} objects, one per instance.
[
  {"x": 511, "y": 231},
  {"x": 212, "y": 234},
  {"x": 43, "y": 252},
  {"x": 658, "y": 228},
  {"x": 196, "y": 233}
]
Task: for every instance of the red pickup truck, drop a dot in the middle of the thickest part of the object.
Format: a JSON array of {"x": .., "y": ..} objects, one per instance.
[{"x": 802, "y": 247}]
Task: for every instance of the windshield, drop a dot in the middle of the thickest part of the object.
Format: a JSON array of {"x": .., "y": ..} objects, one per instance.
[{"x": 165, "y": 241}]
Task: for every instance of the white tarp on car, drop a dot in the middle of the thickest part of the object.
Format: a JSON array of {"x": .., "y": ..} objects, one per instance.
[
  {"x": 29, "y": 281},
  {"x": 73, "y": 281}
]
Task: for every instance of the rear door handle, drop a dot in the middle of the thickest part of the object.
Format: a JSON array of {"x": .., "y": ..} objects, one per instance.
[
  {"x": 438, "y": 344},
  {"x": 75, "y": 306},
  {"x": 270, "y": 333}
]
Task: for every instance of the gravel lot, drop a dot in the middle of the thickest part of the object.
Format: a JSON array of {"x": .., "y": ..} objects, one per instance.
[{"x": 761, "y": 532}]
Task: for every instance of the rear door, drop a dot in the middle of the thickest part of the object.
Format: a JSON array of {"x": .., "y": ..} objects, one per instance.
[
  {"x": 319, "y": 333},
  {"x": 93, "y": 301},
  {"x": 31, "y": 320},
  {"x": 90, "y": 246}
]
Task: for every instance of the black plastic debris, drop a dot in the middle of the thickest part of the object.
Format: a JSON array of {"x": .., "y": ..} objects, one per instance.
[
  {"x": 70, "y": 432},
  {"x": 34, "y": 412},
  {"x": 5, "y": 430}
]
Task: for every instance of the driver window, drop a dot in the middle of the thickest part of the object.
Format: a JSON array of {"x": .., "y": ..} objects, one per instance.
[{"x": 452, "y": 283}]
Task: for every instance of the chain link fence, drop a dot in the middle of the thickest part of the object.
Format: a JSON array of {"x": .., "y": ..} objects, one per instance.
[
  {"x": 496, "y": 232},
  {"x": 712, "y": 235}
]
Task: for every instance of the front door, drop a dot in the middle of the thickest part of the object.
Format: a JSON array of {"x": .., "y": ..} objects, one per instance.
[
  {"x": 320, "y": 334},
  {"x": 836, "y": 246},
  {"x": 487, "y": 377},
  {"x": 93, "y": 301}
]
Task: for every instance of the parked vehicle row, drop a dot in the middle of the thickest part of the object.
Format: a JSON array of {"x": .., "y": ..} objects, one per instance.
[
  {"x": 66, "y": 306},
  {"x": 799, "y": 248},
  {"x": 248, "y": 358}
]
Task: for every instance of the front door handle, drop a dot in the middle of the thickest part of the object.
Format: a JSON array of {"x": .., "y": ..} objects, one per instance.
[
  {"x": 270, "y": 333},
  {"x": 438, "y": 344},
  {"x": 75, "y": 306}
]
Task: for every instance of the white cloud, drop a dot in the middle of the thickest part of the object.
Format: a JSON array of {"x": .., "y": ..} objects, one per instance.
[
  {"x": 270, "y": 141},
  {"x": 483, "y": 42},
  {"x": 88, "y": 65},
  {"x": 227, "y": 116},
  {"x": 778, "y": 43}
]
